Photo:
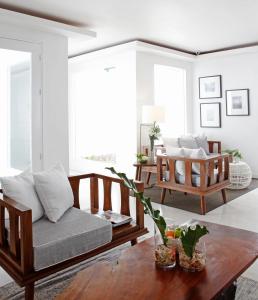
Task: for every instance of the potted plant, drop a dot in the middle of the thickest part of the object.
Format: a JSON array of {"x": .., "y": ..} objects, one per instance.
[
  {"x": 237, "y": 156},
  {"x": 165, "y": 235},
  {"x": 192, "y": 252},
  {"x": 154, "y": 134},
  {"x": 141, "y": 158}
]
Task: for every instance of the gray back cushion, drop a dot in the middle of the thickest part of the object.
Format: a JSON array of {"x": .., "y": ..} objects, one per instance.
[
  {"x": 188, "y": 141},
  {"x": 202, "y": 142}
]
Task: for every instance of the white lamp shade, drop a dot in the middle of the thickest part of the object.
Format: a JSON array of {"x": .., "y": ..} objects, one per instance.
[{"x": 153, "y": 113}]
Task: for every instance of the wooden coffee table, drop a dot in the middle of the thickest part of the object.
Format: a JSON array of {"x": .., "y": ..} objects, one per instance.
[{"x": 230, "y": 252}]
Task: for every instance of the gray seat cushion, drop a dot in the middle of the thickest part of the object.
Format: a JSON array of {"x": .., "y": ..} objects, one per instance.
[
  {"x": 77, "y": 232},
  {"x": 196, "y": 178}
]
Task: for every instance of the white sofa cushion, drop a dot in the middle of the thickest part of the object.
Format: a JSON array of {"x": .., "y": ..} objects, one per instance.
[
  {"x": 188, "y": 141},
  {"x": 197, "y": 154},
  {"x": 21, "y": 189},
  {"x": 54, "y": 191},
  {"x": 202, "y": 142},
  {"x": 180, "y": 165},
  {"x": 170, "y": 142}
]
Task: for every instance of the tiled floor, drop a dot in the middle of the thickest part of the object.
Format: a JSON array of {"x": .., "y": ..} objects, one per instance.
[{"x": 241, "y": 213}]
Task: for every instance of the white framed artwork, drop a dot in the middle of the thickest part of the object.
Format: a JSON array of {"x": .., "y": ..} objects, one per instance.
[{"x": 210, "y": 115}]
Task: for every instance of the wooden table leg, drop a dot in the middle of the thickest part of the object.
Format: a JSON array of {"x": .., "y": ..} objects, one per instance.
[
  {"x": 163, "y": 194},
  {"x": 138, "y": 174},
  {"x": 148, "y": 177}
]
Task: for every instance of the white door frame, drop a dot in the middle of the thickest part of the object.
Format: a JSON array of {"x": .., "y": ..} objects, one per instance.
[{"x": 36, "y": 95}]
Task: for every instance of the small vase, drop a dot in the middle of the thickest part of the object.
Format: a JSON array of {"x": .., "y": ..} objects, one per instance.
[
  {"x": 197, "y": 262},
  {"x": 165, "y": 255}
]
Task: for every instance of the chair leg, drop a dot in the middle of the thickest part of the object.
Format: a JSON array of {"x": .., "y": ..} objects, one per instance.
[
  {"x": 224, "y": 195},
  {"x": 163, "y": 195},
  {"x": 148, "y": 177},
  {"x": 203, "y": 205},
  {"x": 134, "y": 242},
  {"x": 29, "y": 291}
]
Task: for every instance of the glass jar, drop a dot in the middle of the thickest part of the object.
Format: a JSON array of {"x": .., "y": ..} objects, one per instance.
[
  {"x": 195, "y": 263},
  {"x": 165, "y": 255}
]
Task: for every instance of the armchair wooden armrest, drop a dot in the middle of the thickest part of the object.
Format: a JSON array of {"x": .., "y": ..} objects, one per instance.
[
  {"x": 212, "y": 145},
  {"x": 16, "y": 247}
]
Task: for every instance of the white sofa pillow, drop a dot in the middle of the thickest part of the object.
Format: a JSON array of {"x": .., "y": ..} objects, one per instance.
[
  {"x": 202, "y": 142},
  {"x": 54, "y": 191},
  {"x": 187, "y": 141},
  {"x": 170, "y": 142},
  {"x": 21, "y": 189},
  {"x": 197, "y": 154},
  {"x": 180, "y": 165}
]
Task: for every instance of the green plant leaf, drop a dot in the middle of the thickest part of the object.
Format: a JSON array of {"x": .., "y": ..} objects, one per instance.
[
  {"x": 190, "y": 238},
  {"x": 146, "y": 201}
]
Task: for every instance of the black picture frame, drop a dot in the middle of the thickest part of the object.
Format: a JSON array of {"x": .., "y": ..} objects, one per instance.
[
  {"x": 247, "y": 99},
  {"x": 220, "y": 87},
  {"x": 219, "y": 117}
]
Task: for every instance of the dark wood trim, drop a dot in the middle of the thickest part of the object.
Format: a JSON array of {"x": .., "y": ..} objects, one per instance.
[
  {"x": 220, "y": 82},
  {"x": 134, "y": 40},
  {"x": 235, "y": 47},
  {"x": 248, "y": 102},
  {"x": 219, "y": 115}
]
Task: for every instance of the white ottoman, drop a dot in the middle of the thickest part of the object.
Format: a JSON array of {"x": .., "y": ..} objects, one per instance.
[{"x": 240, "y": 175}]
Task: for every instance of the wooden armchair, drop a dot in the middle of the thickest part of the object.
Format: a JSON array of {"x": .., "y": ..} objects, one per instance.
[
  {"x": 214, "y": 176},
  {"x": 16, "y": 243}
]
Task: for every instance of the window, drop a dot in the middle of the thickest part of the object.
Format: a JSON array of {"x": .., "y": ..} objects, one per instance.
[
  {"x": 102, "y": 116},
  {"x": 20, "y": 107},
  {"x": 170, "y": 92}
]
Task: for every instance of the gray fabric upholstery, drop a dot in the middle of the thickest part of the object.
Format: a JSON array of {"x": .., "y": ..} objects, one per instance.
[
  {"x": 77, "y": 232},
  {"x": 187, "y": 141},
  {"x": 181, "y": 179}
]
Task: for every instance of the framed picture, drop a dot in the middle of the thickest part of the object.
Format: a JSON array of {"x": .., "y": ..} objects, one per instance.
[
  {"x": 210, "y": 87},
  {"x": 210, "y": 115},
  {"x": 237, "y": 102}
]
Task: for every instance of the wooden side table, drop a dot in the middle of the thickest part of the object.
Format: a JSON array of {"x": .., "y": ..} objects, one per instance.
[{"x": 149, "y": 168}]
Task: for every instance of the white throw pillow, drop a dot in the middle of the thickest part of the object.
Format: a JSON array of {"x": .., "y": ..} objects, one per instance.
[
  {"x": 197, "y": 154},
  {"x": 188, "y": 141},
  {"x": 170, "y": 142},
  {"x": 54, "y": 191},
  {"x": 21, "y": 189},
  {"x": 202, "y": 142},
  {"x": 180, "y": 165}
]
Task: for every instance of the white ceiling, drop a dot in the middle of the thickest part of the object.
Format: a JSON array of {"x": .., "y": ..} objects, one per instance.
[{"x": 193, "y": 25}]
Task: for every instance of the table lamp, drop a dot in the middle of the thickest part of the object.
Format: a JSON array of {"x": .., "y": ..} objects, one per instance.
[{"x": 152, "y": 114}]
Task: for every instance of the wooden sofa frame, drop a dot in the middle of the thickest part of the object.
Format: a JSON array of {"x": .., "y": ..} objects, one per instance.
[
  {"x": 208, "y": 182},
  {"x": 16, "y": 252}
]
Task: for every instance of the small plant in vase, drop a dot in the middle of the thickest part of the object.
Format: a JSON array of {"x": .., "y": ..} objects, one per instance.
[
  {"x": 141, "y": 158},
  {"x": 192, "y": 253},
  {"x": 154, "y": 134},
  {"x": 165, "y": 252}
]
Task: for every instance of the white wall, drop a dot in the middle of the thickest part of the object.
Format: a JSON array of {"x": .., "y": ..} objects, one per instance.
[
  {"x": 238, "y": 71},
  {"x": 145, "y": 82},
  {"x": 54, "y": 90}
]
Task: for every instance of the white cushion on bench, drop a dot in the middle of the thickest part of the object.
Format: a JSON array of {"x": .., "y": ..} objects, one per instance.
[{"x": 77, "y": 232}]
